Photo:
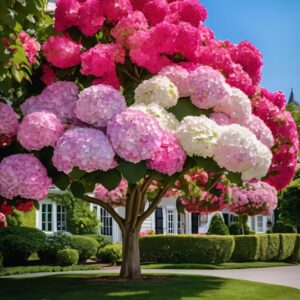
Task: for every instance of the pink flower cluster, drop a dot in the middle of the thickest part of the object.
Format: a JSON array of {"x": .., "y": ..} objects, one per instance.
[
  {"x": 8, "y": 120},
  {"x": 98, "y": 104},
  {"x": 3, "y": 222},
  {"x": 30, "y": 46},
  {"x": 62, "y": 52},
  {"x": 23, "y": 175},
  {"x": 59, "y": 98},
  {"x": 39, "y": 130},
  {"x": 85, "y": 148},
  {"x": 115, "y": 197},
  {"x": 5, "y": 208},
  {"x": 169, "y": 158},
  {"x": 148, "y": 232},
  {"x": 48, "y": 76},
  {"x": 254, "y": 198},
  {"x": 286, "y": 148},
  {"x": 134, "y": 135}
]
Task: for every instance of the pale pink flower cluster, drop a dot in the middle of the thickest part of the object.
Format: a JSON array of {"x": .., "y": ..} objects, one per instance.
[
  {"x": 59, "y": 98},
  {"x": 169, "y": 158},
  {"x": 23, "y": 175},
  {"x": 238, "y": 150},
  {"x": 8, "y": 120},
  {"x": 115, "y": 197},
  {"x": 30, "y": 46},
  {"x": 98, "y": 104},
  {"x": 85, "y": 148},
  {"x": 62, "y": 51},
  {"x": 254, "y": 198},
  {"x": 39, "y": 130},
  {"x": 134, "y": 135},
  {"x": 3, "y": 222}
]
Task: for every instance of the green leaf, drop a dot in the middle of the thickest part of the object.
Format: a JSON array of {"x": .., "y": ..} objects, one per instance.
[
  {"x": 77, "y": 189},
  {"x": 132, "y": 172},
  {"x": 76, "y": 174},
  {"x": 61, "y": 180},
  {"x": 185, "y": 107},
  {"x": 179, "y": 206},
  {"x": 4, "y": 53},
  {"x": 235, "y": 178},
  {"x": 36, "y": 204},
  {"x": 156, "y": 175},
  {"x": 17, "y": 74},
  {"x": 208, "y": 164}
]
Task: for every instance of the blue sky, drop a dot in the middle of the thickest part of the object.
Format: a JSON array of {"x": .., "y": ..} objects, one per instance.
[{"x": 273, "y": 26}]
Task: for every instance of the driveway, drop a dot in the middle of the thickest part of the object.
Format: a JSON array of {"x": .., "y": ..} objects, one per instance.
[{"x": 287, "y": 276}]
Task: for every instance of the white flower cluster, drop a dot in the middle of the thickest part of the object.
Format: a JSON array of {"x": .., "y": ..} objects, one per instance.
[{"x": 158, "y": 89}]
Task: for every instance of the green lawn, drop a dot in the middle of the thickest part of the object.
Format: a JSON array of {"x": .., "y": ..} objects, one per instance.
[
  {"x": 245, "y": 265},
  {"x": 76, "y": 287}
]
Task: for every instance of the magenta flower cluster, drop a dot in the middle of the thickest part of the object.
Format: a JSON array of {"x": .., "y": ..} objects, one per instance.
[
  {"x": 8, "y": 120},
  {"x": 23, "y": 175}
]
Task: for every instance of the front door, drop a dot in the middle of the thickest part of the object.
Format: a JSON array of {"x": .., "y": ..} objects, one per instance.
[{"x": 195, "y": 223}]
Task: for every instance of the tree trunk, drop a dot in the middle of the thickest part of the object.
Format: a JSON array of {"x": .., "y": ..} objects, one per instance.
[{"x": 131, "y": 268}]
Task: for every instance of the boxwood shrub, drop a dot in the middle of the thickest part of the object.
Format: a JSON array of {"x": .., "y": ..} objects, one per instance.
[
  {"x": 247, "y": 248},
  {"x": 86, "y": 246},
  {"x": 186, "y": 249},
  {"x": 273, "y": 247},
  {"x": 296, "y": 253},
  {"x": 286, "y": 246},
  {"x": 18, "y": 243},
  {"x": 263, "y": 246},
  {"x": 110, "y": 253},
  {"x": 67, "y": 257}
]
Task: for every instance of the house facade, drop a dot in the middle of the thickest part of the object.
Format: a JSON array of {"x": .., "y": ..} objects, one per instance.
[{"x": 51, "y": 217}]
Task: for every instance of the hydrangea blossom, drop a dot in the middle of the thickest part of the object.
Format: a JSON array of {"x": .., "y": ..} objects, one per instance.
[
  {"x": 238, "y": 150},
  {"x": 24, "y": 206},
  {"x": 5, "y": 208},
  {"x": 59, "y": 98},
  {"x": 8, "y": 120},
  {"x": 62, "y": 52},
  {"x": 3, "y": 222},
  {"x": 277, "y": 98},
  {"x": 208, "y": 87},
  {"x": 39, "y": 130},
  {"x": 135, "y": 135},
  {"x": 98, "y": 104},
  {"x": 115, "y": 197},
  {"x": 23, "y": 175},
  {"x": 237, "y": 106},
  {"x": 48, "y": 76},
  {"x": 220, "y": 118},
  {"x": 170, "y": 157},
  {"x": 254, "y": 198},
  {"x": 127, "y": 26},
  {"x": 155, "y": 11},
  {"x": 179, "y": 76},
  {"x": 30, "y": 45},
  {"x": 85, "y": 148},
  {"x": 198, "y": 135},
  {"x": 166, "y": 120},
  {"x": 158, "y": 89}
]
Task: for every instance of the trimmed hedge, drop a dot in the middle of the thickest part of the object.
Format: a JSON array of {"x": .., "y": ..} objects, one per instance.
[
  {"x": 247, "y": 248},
  {"x": 86, "y": 246},
  {"x": 286, "y": 247},
  {"x": 296, "y": 253},
  {"x": 67, "y": 257},
  {"x": 110, "y": 253},
  {"x": 273, "y": 247},
  {"x": 186, "y": 249},
  {"x": 263, "y": 246},
  {"x": 18, "y": 243}
]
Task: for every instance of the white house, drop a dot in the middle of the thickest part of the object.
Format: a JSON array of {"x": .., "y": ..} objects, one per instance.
[{"x": 51, "y": 217}]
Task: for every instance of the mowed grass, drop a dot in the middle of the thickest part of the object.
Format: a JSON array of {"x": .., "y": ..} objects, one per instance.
[
  {"x": 78, "y": 287},
  {"x": 224, "y": 266}
]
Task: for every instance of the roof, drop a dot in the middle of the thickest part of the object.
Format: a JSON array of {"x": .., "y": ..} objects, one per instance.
[{"x": 292, "y": 98}]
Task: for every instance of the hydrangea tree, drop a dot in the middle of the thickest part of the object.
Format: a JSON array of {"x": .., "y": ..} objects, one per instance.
[{"x": 143, "y": 101}]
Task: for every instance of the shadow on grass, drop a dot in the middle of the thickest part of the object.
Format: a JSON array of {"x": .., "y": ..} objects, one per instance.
[{"x": 76, "y": 287}]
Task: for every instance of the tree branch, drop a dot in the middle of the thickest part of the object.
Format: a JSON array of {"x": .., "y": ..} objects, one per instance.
[{"x": 120, "y": 221}]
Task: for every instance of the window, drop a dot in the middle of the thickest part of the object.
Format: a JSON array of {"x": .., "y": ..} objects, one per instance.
[
  {"x": 253, "y": 223},
  {"x": 203, "y": 219},
  {"x": 180, "y": 223},
  {"x": 61, "y": 217},
  {"x": 106, "y": 222},
  {"x": 170, "y": 219},
  {"x": 47, "y": 217},
  {"x": 159, "y": 220},
  {"x": 260, "y": 223}
]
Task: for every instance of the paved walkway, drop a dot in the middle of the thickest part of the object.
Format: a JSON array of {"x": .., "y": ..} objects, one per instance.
[{"x": 288, "y": 276}]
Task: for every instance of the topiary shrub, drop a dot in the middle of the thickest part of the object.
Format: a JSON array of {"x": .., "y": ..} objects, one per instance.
[
  {"x": 67, "y": 257},
  {"x": 281, "y": 227},
  {"x": 18, "y": 243},
  {"x": 296, "y": 253},
  {"x": 273, "y": 247},
  {"x": 110, "y": 253},
  {"x": 286, "y": 246},
  {"x": 246, "y": 248},
  {"x": 52, "y": 245},
  {"x": 263, "y": 246},
  {"x": 236, "y": 229},
  {"x": 186, "y": 249},
  {"x": 218, "y": 226},
  {"x": 86, "y": 246}
]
